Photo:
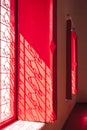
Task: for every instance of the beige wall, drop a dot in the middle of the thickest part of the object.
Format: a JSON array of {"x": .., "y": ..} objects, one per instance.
[
  {"x": 64, "y": 106},
  {"x": 81, "y": 26}
]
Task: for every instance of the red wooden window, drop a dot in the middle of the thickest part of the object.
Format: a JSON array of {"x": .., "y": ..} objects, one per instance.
[
  {"x": 37, "y": 38},
  {"x": 28, "y": 65},
  {"x": 71, "y": 61},
  {"x": 7, "y": 62},
  {"x": 74, "y": 62}
]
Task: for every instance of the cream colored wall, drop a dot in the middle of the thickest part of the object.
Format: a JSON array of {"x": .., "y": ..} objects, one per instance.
[{"x": 64, "y": 106}]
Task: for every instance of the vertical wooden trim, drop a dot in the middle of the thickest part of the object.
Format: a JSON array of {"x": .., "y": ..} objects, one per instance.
[
  {"x": 55, "y": 56},
  {"x": 68, "y": 61},
  {"x": 17, "y": 57}
]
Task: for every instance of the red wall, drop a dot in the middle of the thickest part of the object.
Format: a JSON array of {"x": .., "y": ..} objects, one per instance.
[{"x": 34, "y": 25}]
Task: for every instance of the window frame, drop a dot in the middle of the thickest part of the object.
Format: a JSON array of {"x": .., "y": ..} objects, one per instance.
[{"x": 14, "y": 117}]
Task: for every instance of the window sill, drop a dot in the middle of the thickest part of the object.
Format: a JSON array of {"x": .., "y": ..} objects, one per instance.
[{"x": 25, "y": 125}]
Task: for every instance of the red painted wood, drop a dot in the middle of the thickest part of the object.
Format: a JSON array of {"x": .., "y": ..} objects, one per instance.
[
  {"x": 74, "y": 63},
  {"x": 68, "y": 61},
  {"x": 37, "y": 49}
]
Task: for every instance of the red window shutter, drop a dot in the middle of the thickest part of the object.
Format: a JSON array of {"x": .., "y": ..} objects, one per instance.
[
  {"x": 36, "y": 49},
  {"x": 71, "y": 61},
  {"x": 74, "y": 62}
]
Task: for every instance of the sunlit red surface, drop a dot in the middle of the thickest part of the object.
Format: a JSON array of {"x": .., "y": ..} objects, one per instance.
[
  {"x": 74, "y": 62},
  {"x": 36, "y": 49},
  {"x": 35, "y": 97},
  {"x": 7, "y": 64},
  {"x": 36, "y": 45},
  {"x": 25, "y": 125}
]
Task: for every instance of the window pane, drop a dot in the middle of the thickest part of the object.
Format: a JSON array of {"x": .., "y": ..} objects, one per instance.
[{"x": 7, "y": 60}]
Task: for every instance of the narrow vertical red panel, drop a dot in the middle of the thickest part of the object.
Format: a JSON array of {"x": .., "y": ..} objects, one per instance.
[
  {"x": 36, "y": 47},
  {"x": 76, "y": 49},
  {"x": 74, "y": 62}
]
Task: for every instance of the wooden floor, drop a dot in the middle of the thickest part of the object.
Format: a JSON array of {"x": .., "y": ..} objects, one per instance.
[{"x": 78, "y": 118}]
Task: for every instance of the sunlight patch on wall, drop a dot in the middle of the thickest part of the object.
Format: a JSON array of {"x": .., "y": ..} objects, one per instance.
[{"x": 35, "y": 96}]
